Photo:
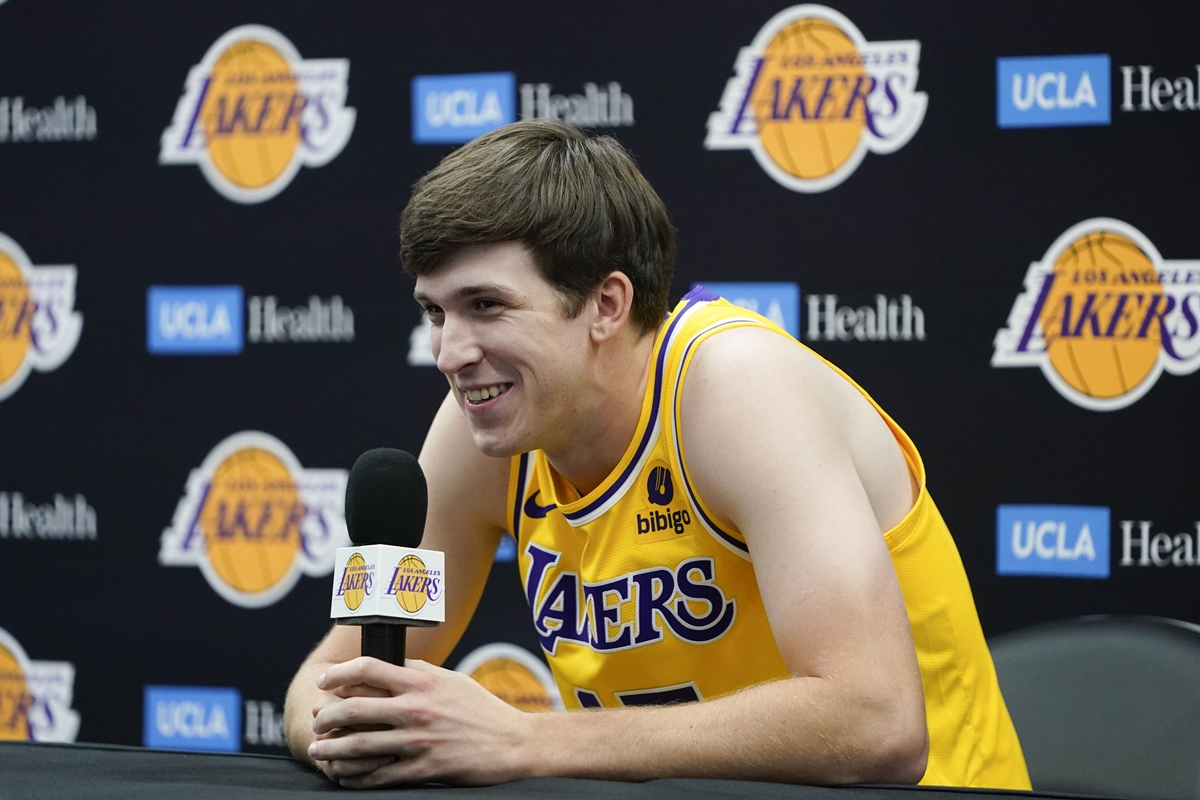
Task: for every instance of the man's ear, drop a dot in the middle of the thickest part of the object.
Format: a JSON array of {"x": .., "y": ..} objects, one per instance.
[{"x": 614, "y": 302}]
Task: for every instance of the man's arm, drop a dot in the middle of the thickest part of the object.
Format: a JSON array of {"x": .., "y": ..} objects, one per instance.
[
  {"x": 467, "y": 492},
  {"x": 766, "y": 451}
]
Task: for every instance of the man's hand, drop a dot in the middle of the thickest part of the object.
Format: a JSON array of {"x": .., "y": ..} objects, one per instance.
[
  {"x": 350, "y": 766},
  {"x": 378, "y": 724}
]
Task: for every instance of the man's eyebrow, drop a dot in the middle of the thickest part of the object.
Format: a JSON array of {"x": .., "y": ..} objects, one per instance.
[{"x": 468, "y": 291}]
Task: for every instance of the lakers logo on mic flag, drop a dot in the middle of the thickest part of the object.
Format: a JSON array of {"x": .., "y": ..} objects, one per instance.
[{"x": 413, "y": 585}]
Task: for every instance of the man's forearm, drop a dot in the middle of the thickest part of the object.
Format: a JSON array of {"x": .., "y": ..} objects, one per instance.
[{"x": 805, "y": 730}]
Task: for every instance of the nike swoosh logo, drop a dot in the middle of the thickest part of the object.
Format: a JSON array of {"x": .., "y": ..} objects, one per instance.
[{"x": 532, "y": 509}]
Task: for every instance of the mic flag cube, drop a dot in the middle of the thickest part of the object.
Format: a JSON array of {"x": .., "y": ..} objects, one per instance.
[{"x": 383, "y": 583}]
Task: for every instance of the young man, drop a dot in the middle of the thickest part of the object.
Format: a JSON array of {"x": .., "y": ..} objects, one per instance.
[{"x": 704, "y": 509}]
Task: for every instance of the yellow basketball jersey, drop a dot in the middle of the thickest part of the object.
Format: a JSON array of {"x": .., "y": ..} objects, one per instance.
[{"x": 639, "y": 597}]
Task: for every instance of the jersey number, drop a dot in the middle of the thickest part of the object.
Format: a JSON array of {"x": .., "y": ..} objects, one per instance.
[{"x": 667, "y": 695}]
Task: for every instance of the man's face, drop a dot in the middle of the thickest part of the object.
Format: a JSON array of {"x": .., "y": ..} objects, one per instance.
[{"x": 515, "y": 363}]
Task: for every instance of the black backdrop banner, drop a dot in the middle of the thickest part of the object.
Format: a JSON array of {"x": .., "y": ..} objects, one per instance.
[{"x": 983, "y": 213}]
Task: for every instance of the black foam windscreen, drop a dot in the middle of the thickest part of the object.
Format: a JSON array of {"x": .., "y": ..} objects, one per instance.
[{"x": 386, "y": 499}]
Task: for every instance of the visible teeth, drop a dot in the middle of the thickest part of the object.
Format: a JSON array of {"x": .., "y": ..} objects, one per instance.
[{"x": 478, "y": 395}]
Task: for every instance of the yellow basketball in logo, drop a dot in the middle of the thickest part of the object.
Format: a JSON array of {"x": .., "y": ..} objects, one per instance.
[
  {"x": 14, "y": 699},
  {"x": 251, "y": 114},
  {"x": 251, "y": 520},
  {"x": 514, "y": 683},
  {"x": 808, "y": 120},
  {"x": 1097, "y": 355},
  {"x": 14, "y": 317},
  {"x": 410, "y": 571},
  {"x": 356, "y": 565}
]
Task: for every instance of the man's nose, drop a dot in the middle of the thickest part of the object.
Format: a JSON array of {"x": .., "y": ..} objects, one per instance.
[{"x": 455, "y": 345}]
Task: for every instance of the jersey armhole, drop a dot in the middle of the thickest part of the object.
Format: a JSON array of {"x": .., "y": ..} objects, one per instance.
[{"x": 898, "y": 534}]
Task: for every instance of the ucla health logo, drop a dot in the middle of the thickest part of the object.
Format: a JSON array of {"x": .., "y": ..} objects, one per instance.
[
  {"x": 812, "y": 97},
  {"x": 203, "y": 718},
  {"x": 452, "y": 109},
  {"x": 1103, "y": 315},
  {"x": 253, "y": 520},
  {"x": 1065, "y": 541},
  {"x": 253, "y": 112},
  {"x": 35, "y": 696},
  {"x": 39, "y": 326},
  {"x": 1037, "y": 92},
  {"x": 65, "y": 121},
  {"x": 194, "y": 320},
  {"x": 778, "y": 302}
]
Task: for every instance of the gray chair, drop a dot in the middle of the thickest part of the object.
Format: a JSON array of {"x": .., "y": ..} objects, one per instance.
[{"x": 1106, "y": 705}]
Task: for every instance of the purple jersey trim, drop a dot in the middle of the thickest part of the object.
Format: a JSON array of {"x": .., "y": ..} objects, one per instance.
[
  {"x": 732, "y": 540},
  {"x": 522, "y": 482},
  {"x": 698, "y": 292},
  {"x": 659, "y": 368}
]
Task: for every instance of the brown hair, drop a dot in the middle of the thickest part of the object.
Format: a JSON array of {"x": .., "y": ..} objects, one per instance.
[{"x": 577, "y": 202}]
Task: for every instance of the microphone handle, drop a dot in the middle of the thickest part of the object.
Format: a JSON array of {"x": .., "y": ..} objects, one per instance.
[{"x": 383, "y": 641}]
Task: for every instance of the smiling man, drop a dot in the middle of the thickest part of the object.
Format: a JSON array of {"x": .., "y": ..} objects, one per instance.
[{"x": 733, "y": 563}]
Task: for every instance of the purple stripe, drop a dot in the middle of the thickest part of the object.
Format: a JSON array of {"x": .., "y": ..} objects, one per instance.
[
  {"x": 521, "y": 475},
  {"x": 739, "y": 544},
  {"x": 658, "y": 378},
  {"x": 698, "y": 292}
]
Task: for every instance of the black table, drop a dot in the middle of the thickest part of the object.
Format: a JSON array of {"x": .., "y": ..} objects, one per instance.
[{"x": 35, "y": 770}]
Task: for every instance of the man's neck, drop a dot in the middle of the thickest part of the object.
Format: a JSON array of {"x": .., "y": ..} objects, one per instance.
[{"x": 604, "y": 430}]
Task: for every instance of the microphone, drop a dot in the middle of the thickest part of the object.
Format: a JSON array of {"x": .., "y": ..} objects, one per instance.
[{"x": 384, "y": 583}]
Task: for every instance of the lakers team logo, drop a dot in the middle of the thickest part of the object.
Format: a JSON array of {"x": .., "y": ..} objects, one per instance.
[
  {"x": 35, "y": 696},
  {"x": 413, "y": 584},
  {"x": 1103, "y": 315},
  {"x": 356, "y": 582},
  {"x": 513, "y": 674},
  {"x": 253, "y": 520},
  {"x": 253, "y": 112},
  {"x": 811, "y": 97},
  {"x": 39, "y": 326}
]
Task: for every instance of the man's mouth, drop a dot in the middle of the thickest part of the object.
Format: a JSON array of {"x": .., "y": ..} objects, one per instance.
[{"x": 482, "y": 395}]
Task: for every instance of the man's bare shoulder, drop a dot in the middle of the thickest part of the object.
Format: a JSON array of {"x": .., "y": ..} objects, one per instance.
[
  {"x": 752, "y": 394},
  {"x": 728, "y": 366}
]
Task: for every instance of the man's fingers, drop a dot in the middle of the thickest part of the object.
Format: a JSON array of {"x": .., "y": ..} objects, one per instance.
[
  {"x": 372, "y": 672},
  {"x": 364, "y": 714},
  {"x": 349, "y": 714},
  {"x": 354, "y": 767},
  {"x": 359, "y": 745},
  {"x": 327, "y": 699},
  {"x": 399, "y": 771},
  {"x": 360, "y": 690}
]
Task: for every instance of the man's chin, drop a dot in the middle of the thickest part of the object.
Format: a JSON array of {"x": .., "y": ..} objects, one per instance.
[{"x": 496, "y": 446}]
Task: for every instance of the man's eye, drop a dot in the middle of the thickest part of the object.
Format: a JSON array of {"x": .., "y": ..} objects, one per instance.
[
  {"x": 485, "y": 305},
  {"x": 432, "y": 310}
]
